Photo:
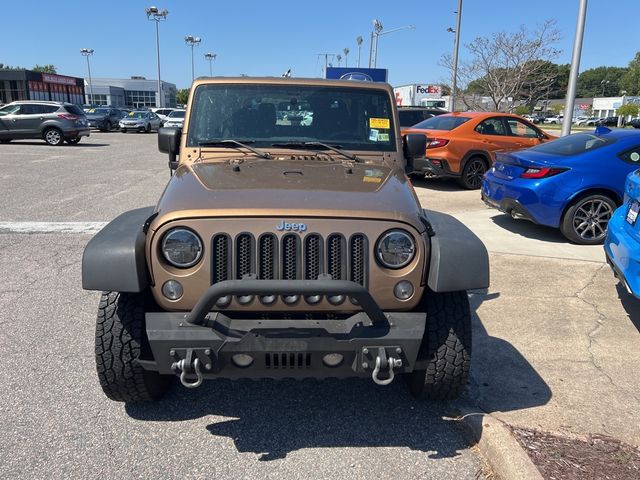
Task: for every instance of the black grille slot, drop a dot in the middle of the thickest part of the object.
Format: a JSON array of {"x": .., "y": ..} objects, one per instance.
[
  {"x": 358, "y": 259},
  {"x": 244, "y": 255},
  {"x": 287, "y": 360},
  {"x": 267, "y": 246},
  {"x": 312, "y": 258},
  {"x": 290, "y": 256},
  {"x": 335, "y": 257},
  {"x": 220, "y": 258}
]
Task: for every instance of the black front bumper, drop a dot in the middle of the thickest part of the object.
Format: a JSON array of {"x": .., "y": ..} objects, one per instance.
[{"x": 279, "y": 344}]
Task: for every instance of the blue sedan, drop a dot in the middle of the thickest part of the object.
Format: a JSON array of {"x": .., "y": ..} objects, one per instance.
[
  {"x": 573, "y": 183},
  {"x": 622, "y": 245}
]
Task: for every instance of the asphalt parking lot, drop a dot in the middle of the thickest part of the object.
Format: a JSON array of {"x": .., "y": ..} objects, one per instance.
[{"x": 554, "y": 336}]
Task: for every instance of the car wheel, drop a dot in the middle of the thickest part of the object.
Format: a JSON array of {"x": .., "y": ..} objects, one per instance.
[
  {"x": 472, "y": 173},
  {"x": 585, "y": 221},
  {"x": 123, "y": 130},
  {"x": 120, "y": 336},
  {"x": 147, "y": 129},
  {"x": 108, "y": 127},
  {"x": 53, "y": 136},
  {"x": 445, "y": 347},
  {"x": 73, "y": 141}
]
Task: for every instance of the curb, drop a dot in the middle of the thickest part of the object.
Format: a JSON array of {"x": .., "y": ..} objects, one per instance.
[{"x": 495, "y": 441}]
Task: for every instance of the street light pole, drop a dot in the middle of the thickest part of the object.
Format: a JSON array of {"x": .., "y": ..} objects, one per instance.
[
  {"x": 346, "y": 57},
  {"x": 359, "y": 42},
  {"x": 156, "y": 15},
  {"x": 377, "y": 33},
  {"x": 456, "y": 48},
  {"x": 87, "y": 52},
  {"x": 604, "y": 83},
  {"x": 211, "y": 57},
  {"x": 575, "y": 68},
  {"x": 193, "y": 41}
]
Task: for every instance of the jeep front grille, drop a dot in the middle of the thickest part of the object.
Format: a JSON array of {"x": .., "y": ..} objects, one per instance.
[
  {"x": 287, "y": 360},
  {"x": 290, "y": 257}
]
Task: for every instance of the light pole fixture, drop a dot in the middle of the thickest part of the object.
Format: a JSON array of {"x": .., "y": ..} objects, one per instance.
[
  {"x": 154, "y": 14},
  {"x": 346, "y": 56},
  {"x": 210, "y": 57},
  {"x": 193, "y": 41},
  {"x": 604, "y": 83},
  {"x": 339, "y": 57},
  {"x": 456, "y": 48},
  {"x": 359, "y": 42},
  {"x": 376, "y": 34},
  {"x": 87, "y": 52}
]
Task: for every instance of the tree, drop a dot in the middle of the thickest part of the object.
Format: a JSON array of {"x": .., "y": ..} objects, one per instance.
[
  {"x": 557, "y": 108},
  {"x": 522, "y": 110},
  {"x": 4, "y": 66},
  {"x": 630, "y": 81},
  {"x": 45, "y": 68},
  {"x": 600, "y": 82},
  {"x": 628, "y": 110},
  {"x": 182, "y": 96},
  {"x": 509, "y": 66}
]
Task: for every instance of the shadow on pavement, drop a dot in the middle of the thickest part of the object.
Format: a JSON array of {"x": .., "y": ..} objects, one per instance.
[
  {"x": 630, "y": 304},
  {"x": 502, "y": 379},
  {"x": 64, "y": 145},
  {"x": 439, "y": 184},
  {"x": 273, "y": 418},
  {"x": 529, "y": 229}
]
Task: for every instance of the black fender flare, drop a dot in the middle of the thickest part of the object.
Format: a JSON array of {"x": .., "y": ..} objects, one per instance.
[
  {"x": 458, "y": 258},
  {"x": 475, "y": 153},
  {"x": 114, "y": 259}
]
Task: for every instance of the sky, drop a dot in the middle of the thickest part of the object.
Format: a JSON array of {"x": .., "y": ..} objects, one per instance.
[{"x": 266, "y": 38}]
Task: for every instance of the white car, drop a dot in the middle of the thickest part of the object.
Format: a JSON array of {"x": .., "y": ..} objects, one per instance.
[
  {"x": 588, "y": 121},
  {"x": 556, "y": 119},
  {"x": 175, "y": 119},
  {"x": 162, "y": 113}
]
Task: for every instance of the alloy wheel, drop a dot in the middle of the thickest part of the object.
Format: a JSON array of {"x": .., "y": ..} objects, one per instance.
[
  {"x": 591, "y": 218},
  {"x": 475, "y": 172},
  {"x": 53, "y": 137}
]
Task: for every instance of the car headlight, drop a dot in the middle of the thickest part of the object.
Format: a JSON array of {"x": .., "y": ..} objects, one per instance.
[
  {"x": 395, "y": 249},
  {"x": 181, "y": 247}
]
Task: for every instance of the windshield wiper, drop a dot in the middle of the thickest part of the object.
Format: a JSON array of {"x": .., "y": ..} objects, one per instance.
[
  {"x": 312, "y": 145},
  {"x": 236, "y": 144}
]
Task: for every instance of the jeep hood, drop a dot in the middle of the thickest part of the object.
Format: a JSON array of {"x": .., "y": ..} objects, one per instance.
[{"x": 321, "y": 187}]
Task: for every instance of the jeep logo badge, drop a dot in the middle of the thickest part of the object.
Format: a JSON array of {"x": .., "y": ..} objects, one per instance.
[{"x": 291, "y": 227}]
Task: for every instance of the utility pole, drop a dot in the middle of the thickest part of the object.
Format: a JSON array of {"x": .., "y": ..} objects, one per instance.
[
  {"x": 326, "y": 60},
  {"x": 359, "y": 42},
  {"x": 156, "y": 15},
  {"x": 575, "y": 68},
  {"x": 87, "y": 52},
  {"x": 456, "y": 48},
  {"x": 192, "y": 41}
]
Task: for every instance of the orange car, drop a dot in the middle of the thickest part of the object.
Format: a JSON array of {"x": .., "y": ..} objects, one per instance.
[{"x": 463, "y": 144}]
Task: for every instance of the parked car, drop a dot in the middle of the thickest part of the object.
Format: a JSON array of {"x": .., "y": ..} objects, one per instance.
[
  {"x": 409, "y": 116},
  {"x": 587, "y": 121},
  {"x": 104, "y": 118},
  {"x": 175, "y": 119},
  {"x": 463, "y": 145},
  {"x": 554, "y": 120},
  {"x": 608, "y": 122},
  {"x": 634, "y": 122},
  {"x": 537, "y": 119},
  {"x": 140, "y": 120},
  {"x": 622, "y": 245},
  {"x": 54, "y": 122},
  {"x": 162, "y": 113},
  {"x": 573, "y": 183}
]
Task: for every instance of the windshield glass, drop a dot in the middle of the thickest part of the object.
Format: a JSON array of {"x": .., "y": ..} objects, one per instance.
[
  {"x": 442, "y": 122},
  {"x": 177, "y": 114},
  {"x": 138, "y": 114},
  {"x": 573, "y": 144},
  {"x": 98, "y": 111},
  {"x": 354, "y": 118}
]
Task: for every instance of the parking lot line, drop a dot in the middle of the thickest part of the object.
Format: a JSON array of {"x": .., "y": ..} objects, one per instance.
[{"x": 51, "y": 227}]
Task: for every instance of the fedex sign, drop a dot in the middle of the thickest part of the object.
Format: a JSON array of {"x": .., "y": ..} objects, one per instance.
[{"x": 428, "y": 89}]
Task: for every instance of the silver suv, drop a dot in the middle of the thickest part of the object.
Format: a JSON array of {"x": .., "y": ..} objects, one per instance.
[{"x": 55, "y": 122}]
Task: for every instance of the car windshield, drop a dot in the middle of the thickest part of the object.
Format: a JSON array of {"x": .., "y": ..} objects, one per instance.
[
  {"x": 573, "y": 144},
  {"x": 138, "y": 114},
  {"x": 98, "y": 111},
  {"x": 353, "y": 118},
  {"x": 177, "y": 114},
  {"x": 442, "y": 122}
]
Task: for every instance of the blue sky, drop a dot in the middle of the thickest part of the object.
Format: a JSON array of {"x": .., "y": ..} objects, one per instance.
[{"x": 268, "y": 37}]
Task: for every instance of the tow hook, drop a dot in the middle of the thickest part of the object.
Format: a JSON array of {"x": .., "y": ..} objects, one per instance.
[
  {"x": 190, "y": 365},
  {"x": 384, "y": 362}
]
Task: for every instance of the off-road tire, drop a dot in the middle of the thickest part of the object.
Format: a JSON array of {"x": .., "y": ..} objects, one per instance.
[
  {"x": 53, "y": 136},
  {"x": 120, "y": 336},
  {"x": 446, "y": 346},
  {"x": 567, "y": 223},
  {"x": 472, "y": 173}
]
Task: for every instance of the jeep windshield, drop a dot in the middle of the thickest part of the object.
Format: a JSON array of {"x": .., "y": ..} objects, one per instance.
[{"x": 264, "y": 115}]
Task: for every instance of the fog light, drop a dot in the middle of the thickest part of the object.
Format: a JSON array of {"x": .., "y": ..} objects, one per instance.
[
  {"x": 313, "y": 299},
  {"x": 242, "y": 360},
  {"x": 403, "y": 290},
  {"x": 290, "y": 299},
  {"x": 335, "y": 299},
  {"x": 223, "y": 301},
  {"x": 268, "y": 299},
  {"x": 332, "y": 359},
  {"x": 245, "y": 299},
  {"x": 172, "y": 289}
]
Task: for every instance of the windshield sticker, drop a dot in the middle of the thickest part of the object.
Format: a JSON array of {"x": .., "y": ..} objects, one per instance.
[
  {"x": 373, "y": 135},
  {"x": 92, "y": 110},
  {"x": 373, "y": 176},
  {"x": 379, "y": 123},
  {"x": 383, "y": 137}
]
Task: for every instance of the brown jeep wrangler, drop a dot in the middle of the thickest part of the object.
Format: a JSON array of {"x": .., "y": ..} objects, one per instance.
[{"x": 288, "y": 243}]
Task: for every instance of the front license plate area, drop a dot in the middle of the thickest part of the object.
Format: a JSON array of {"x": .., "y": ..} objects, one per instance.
[{"x": 632, "y": 213}]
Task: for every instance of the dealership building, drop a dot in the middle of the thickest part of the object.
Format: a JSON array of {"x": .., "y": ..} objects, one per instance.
[
  {"x": 29, "y": 85},
  {"x": 134, "y": 92}
]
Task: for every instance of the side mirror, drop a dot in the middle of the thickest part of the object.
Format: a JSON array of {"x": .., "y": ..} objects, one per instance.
[
  {"x": 169, "y": 142},
  {"x": 414, "y": 146}
]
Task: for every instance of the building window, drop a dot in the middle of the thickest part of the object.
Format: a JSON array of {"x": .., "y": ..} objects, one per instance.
[
  {"x": 140, "y": 98},
  {"x": 97, "y": 99}
]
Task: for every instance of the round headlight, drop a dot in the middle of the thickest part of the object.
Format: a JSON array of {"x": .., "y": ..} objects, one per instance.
[
  {"x": 395, "y": 249},
  {"x": 181, "y": 247}
]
